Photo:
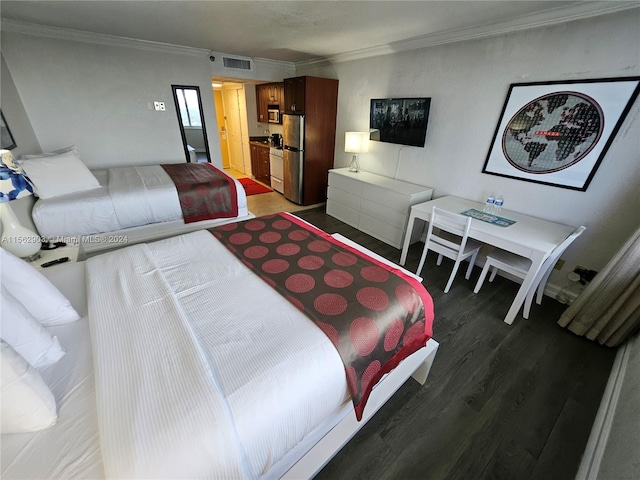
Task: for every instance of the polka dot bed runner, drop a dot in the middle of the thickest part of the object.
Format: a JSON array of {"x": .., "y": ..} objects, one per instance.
[
  {"x": 204, "y": 191},
  {"x": 374, "y": 314}
]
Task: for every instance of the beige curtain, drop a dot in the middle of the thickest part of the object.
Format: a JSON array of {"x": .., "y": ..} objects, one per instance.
[{"x": 608, "y": 309}]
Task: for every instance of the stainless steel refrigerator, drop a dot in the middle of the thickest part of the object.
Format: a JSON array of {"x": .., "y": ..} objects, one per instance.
[{"x": 293, "y": 150}]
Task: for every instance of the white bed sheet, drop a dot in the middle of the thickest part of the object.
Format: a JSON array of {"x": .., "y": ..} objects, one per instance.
[
  {"x": 70, "y": 448},
  {"x": 78, "y": 213},
  {"x": 279, "y": 374},
  {"x": 149, "y": 197}
]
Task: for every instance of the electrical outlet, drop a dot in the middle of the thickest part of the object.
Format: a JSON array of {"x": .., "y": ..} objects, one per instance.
[
  {"x": 586, "y": 275},
  {"x": 559, "y": 264},
  {"x": 162, "y": 107},
  {"x": 159, "y": 106}
]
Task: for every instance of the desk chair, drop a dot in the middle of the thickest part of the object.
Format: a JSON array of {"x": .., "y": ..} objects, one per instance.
[
  {"x": 519, "y": 266},
  {"x": 450, "y": 241}
]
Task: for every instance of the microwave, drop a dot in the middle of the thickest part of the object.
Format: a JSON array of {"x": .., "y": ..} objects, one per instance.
[{"x": 273, "y": 114}]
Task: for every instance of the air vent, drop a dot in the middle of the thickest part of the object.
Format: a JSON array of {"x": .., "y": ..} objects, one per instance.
[{"x": 236, "y": 63}]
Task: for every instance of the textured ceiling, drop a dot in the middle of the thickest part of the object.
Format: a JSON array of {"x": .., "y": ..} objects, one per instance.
[{"x": 290, "y": 31}]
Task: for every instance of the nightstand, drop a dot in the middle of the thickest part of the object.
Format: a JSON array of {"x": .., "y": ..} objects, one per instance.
[{"x": 70, "y": 251}]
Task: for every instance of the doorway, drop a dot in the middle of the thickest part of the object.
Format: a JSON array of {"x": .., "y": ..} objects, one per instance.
[
  {"x": 235, "y": 114},
  {"x": 222, "y": 125}
]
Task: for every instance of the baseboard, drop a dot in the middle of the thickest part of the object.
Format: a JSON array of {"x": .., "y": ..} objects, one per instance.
[{"x": 597, "y": 443}]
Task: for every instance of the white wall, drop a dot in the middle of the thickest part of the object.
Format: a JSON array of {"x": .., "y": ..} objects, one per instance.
[
  {"x": 468, "y": 83},
  {"x": 15, "y": 115},
  {"x": 100, "y": 98},
  {"x": 98, "y": 95}
]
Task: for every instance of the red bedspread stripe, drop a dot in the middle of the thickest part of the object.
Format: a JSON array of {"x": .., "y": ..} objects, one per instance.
[
  {"x": 424, "y": 295},
  {"x": 205, "y": 193},
  {"x": 368, "y": 309},
  {"x": 427, "y": 302}
]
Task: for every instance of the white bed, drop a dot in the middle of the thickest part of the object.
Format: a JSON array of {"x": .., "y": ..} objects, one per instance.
[
  {"x": 127, "y": 197},
  {"x": 128, "y": 200},
  {"x": 291, "y": 432}
]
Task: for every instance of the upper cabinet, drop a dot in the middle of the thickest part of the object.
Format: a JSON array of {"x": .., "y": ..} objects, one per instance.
[
  {"x": 269, "y": 94},
  {"x": 294, "y": 95}
]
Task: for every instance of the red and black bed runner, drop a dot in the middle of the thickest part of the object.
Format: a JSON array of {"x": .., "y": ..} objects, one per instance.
[
  {"x": 374, "y": 314},
  {"x": 204, "y": 191}
]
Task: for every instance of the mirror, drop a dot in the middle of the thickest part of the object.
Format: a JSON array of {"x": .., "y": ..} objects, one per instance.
[{"x": 191, "y": 121}]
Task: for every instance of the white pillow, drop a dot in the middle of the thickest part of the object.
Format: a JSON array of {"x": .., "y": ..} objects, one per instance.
[
  {"x": 27, "y": 403},
  {"x": 30, "y": 156},
  {"x": 58, "y": 174},
  {"x": 34, "y": 291},
  {"x": 27, "y": 337}
]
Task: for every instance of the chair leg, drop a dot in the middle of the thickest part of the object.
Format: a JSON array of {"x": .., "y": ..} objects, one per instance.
[
  {"x": 527, "y": 304},
  {"x": 439, "y": 261},
  {"x": 483, "y": 275},
  {"x": 541, "y": 285},
  {"x": 422, "y": 259},
  {"x": 453, "y": 275},
  {"x": 472, "y": 262},
  {"x": 493, "y": 274}
]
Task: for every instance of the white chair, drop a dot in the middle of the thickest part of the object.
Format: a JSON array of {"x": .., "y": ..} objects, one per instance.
[
  {"x": 519, "y": 266},
  {"x": 457, "y": 247}
]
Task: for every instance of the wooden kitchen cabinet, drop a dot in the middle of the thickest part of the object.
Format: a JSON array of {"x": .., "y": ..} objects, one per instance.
[
  {"x": 281, "y": 99},
  {"x": 269, "y": 94},
  {"x": 294, "y": 95},
  {"x": 260, "y": 162},
  {"x": 262, "y": 103}
]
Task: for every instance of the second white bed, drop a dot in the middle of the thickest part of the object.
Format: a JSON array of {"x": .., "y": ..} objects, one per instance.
[
  {"x": 128, "y": 197},
  {"x": 281, "y": 380}
]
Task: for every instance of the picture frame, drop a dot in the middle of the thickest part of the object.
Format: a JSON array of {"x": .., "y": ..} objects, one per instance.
[
  {"x": 557, "y": 133},
  {"x": 6, "y": 138}
]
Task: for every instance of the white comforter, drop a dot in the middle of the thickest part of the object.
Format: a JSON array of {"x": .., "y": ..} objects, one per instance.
[
  {"x": 127, "y": 197},
  {"x": 193, "y": 381}
]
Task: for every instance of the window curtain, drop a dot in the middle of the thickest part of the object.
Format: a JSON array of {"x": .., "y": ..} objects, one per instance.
[{"x": 608, "y": 309}]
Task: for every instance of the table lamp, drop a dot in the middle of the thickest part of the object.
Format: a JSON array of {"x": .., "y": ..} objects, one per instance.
[
  {"x": 16, "y": 239},
  {"x": 356, "y": 142}
]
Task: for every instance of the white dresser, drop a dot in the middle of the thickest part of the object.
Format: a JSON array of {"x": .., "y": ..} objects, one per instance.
[{"x": 374, "y": 204}]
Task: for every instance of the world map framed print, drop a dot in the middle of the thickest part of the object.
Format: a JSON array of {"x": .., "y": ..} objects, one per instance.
[{"x": 557, "y": 133}]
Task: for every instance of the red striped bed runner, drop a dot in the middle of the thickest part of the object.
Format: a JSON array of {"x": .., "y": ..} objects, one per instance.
[
  {"x": 204, "y": 191},
  {"x": 374, "y": 314}
]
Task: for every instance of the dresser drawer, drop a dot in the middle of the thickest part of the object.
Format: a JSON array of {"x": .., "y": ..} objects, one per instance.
[
  {"x": 341, "y": 212},
  {"x": 343, "y": 197},
  {"x": 393, "y": 200},
  {"x": 346, "y": 184},
  {"x": 385, "y": 214},
  {"x": 380, "y": 230}
]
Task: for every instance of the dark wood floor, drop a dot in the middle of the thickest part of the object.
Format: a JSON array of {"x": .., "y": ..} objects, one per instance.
[{"x": 502, "y": 402}]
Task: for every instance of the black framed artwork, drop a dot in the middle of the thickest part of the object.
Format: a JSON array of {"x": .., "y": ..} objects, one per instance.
[
  {"x": 6, "y": 139},
  {"x": 557, "y": 133}
]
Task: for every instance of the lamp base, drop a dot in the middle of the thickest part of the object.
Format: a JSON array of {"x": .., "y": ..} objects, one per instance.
[
  {"x": 354, "y": 166},
  {"x": 17, "y": 239},
  {"x": 33, "y": 258}
]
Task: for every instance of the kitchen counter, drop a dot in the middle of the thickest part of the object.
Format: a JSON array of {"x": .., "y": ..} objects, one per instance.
[{"x": 262, "y": 141}]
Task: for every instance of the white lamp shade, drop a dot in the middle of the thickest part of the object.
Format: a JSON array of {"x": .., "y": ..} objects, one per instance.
[{"x": 356, "y": 142}]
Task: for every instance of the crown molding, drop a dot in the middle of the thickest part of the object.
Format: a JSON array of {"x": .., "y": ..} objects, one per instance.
[
  {"x": 16, "y": 26},
  {"x": 267, "y": 62},
  {"x": 553, "y": 16}
]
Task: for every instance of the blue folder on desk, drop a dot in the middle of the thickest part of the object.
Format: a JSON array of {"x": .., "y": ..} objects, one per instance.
[{"x": 489, "y": 218}]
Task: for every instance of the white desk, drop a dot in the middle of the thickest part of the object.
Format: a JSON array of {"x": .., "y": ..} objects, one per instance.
[{"x": 530, "y": 237}]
